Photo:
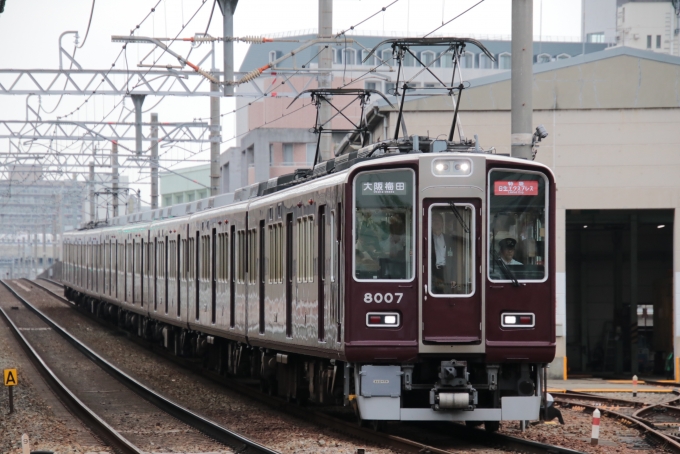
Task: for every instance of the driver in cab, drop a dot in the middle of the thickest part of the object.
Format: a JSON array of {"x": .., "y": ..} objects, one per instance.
[{"x": 441, "y": 262}]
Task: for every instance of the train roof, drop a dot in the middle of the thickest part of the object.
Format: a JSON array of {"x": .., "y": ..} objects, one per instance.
[{"x": 327, "y": 173}]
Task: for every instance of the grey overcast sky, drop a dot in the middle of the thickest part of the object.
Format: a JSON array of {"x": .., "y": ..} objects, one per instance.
[{"x": 30, "y": 29}]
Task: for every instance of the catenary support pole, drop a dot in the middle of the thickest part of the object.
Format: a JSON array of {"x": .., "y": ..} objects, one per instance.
[
  {"x": 114, "y": 177},
  {"x": 93, "y": 216},
  {"x": 44, "y": 247},
  {"x": 325, "y": 77},
  {"x": 215, "y": 138},
  {"x": 154, "y": 161},
  {"x": 138, "y": 101},
  {"x": 521, "y": 78},
  {"x": 228, "y": 8}
]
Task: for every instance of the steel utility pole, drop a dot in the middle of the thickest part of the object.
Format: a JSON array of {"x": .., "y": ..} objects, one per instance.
[
  {"x": 114, "y": 177},
  {"x": 522, "y": 78},
  {"x": 228, "y": 7},
  {"x": 154, "y": 161},
  {"x": 138, "y": 100},
  {"x": 215, "y": 139},
  {"x": 93, "y": 216},
  {"x": 325, "y": 77}
]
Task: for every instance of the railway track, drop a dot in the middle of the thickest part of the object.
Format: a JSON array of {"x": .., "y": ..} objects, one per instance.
[
  {"x": 446, "y": 438},
  {"x": 657, "y": 423},
  {"x": 125, "y": 414}
]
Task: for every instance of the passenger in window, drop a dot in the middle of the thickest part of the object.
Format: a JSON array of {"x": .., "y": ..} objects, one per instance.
[
  {"x": 507, "y": 254},
  {"x": 441, "y": 258}
]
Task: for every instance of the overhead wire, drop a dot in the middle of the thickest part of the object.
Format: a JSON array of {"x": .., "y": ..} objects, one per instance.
[{"x": 451, "y": 20}]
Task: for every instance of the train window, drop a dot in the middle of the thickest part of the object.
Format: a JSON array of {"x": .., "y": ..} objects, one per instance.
[
  {"x": 241, "y": 257},
  {"x": 384, "y": 225},
  {"x": 451, "y": 249},
  {"x": 275, "y": 253},
  {"x": 172, "y": 263},
  {"x": 333, "y": 241},
  {"x": 305, "y": 264},
  {"x": 252, "y": 253},
  {"x": 205, "y": 258},
  {"x": 517, "y": 226}
]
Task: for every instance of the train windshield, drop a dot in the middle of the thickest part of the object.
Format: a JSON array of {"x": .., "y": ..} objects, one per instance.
[
  {"x": 383, "y": 225},
  {"x": 517, "y": 226},
  {"x": 451, "y": 249}
]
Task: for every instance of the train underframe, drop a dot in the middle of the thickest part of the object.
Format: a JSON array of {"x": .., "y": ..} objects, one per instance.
[{"x": 436, "y": 388}]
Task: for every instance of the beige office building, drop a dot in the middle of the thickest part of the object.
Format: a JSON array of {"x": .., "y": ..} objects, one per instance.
[{"x": 613, "y": 119}]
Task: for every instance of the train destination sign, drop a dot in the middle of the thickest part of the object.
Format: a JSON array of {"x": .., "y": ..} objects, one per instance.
[
  {"x": 515, "y": 188},
  {"x": 383, "y": 188}
]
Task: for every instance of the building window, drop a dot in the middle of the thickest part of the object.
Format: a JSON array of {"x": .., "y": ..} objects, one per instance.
[
  {"x": 349, "y": 56},
  {"x": 595, "y": 37},
  {"x": 390, "y": 88},
  {"x": 408, "y": 60},
  {"x": 649, "y": 41},
  {"x": 427, "y": 57},
  {"x": 311, "y": 153},
  {"x": 485, "y": 62},
  {"x": 337, "y": 57},
  {"x": 505, "y": 61},
  {"x": 179, "y": 198},
  {"x": 287, "y": 154},
  {"x": 371, "y": 61},
  {"x": 658, "y": 41},
  {"x": 387, "y": 56},
  {"x": 371, "y": 85},
  {"x": 190, "y": 197},
  {"x": 167, "y": 200},
  {"x": 275, "y": 55},
  {"x": 543, "y": 58},
  {"x": 467, "y": 60},
  {"x": 202, "y": 194},
  {"x": 447, "y": 60}
]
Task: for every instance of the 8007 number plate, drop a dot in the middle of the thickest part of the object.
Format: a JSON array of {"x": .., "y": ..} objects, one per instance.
[{"x": 383, "y": 298}]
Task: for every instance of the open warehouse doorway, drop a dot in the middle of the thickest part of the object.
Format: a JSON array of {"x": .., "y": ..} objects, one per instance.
[{"x": 619, "y": 292}]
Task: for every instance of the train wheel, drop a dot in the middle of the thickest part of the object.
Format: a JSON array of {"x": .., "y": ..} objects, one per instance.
[{"x": 492, "y": 426}]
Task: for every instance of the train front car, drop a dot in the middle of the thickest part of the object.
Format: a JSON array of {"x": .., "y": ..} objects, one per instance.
[{"x": 450, "y": 287}]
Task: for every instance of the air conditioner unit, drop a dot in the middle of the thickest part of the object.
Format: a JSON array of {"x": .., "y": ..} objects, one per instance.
[{"x": 636, "y": 36}]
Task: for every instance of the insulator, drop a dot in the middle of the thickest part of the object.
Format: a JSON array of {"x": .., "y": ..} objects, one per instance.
[
  {"x": 255, "y": 73},
  {"x": 255, "y": 39}
]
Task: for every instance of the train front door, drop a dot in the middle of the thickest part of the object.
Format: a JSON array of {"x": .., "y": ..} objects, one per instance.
[{"x": 452, "y": 303}]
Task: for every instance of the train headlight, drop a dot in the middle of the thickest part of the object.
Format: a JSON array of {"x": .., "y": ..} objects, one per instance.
[
  {"x": 518, "y": 320},
  {"x": 382, "y": 319},
  {"x": 451, "y": 167}
]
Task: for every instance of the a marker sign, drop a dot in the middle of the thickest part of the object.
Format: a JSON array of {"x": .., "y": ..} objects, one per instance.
[
  {"x": 10, "y": 377},
  {"x": 515, "y": 188}
]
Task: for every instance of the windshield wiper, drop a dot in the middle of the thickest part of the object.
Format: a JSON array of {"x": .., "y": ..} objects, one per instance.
[
  {"x": 459, "y": 217},
  {"x": 508, "y": 273}
]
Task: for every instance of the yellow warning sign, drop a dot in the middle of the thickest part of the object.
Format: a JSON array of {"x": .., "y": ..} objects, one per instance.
[{"x": 10, "y": 377}]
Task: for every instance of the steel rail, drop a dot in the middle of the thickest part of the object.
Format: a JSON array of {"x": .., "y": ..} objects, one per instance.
[
  {"x": 351, "y": 429},
  {"x": 210, "y": 428},
  {"x": 96, "y": 424},
  {"x": 645, "y": 427}
]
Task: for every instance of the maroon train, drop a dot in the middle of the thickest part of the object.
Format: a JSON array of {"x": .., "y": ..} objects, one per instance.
[{"x": 413, "y": 279}]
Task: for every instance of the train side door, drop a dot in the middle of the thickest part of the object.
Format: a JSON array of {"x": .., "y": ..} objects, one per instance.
[{"x": 452, "y": 302}]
